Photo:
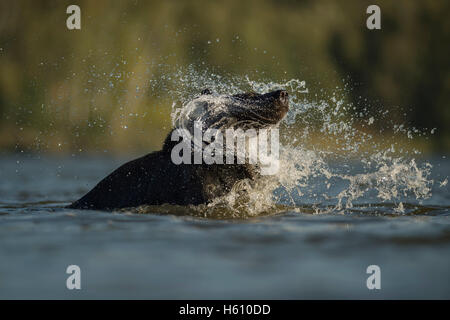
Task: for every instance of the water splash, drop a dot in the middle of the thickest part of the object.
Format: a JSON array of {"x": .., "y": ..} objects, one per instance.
[{"x": 329, "y": 157}]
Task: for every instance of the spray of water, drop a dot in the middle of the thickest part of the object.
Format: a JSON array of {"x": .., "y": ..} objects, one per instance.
[{"x": 357, "y": 170}]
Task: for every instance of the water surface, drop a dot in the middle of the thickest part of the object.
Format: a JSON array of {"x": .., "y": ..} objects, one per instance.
[{"x": 290, "y": 254}]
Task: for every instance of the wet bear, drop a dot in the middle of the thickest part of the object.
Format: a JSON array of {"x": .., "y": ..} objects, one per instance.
[{"x": 155, "y": 179}]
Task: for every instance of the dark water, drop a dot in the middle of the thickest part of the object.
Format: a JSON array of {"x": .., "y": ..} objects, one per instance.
[{"x": 287, "y": 255}]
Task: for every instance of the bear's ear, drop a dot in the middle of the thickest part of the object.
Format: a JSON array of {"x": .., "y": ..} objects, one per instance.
[{"x": 206, "y": 91}]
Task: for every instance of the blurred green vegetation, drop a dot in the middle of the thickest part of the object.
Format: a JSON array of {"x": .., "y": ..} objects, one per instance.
[{"x": 88, "y": 89}]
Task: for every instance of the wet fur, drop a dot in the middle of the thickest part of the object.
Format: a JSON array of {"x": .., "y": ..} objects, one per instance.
[{"x": 154, "y": 179}]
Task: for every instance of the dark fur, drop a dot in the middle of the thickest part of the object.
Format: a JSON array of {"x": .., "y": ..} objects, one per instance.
[{"x": 154, "y": 179}]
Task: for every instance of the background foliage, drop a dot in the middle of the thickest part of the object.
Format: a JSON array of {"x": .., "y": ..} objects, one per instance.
[{"x": 102, "y": 87}]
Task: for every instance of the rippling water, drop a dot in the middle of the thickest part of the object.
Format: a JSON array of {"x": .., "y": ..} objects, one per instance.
[{"x": 289, "y": 252}]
